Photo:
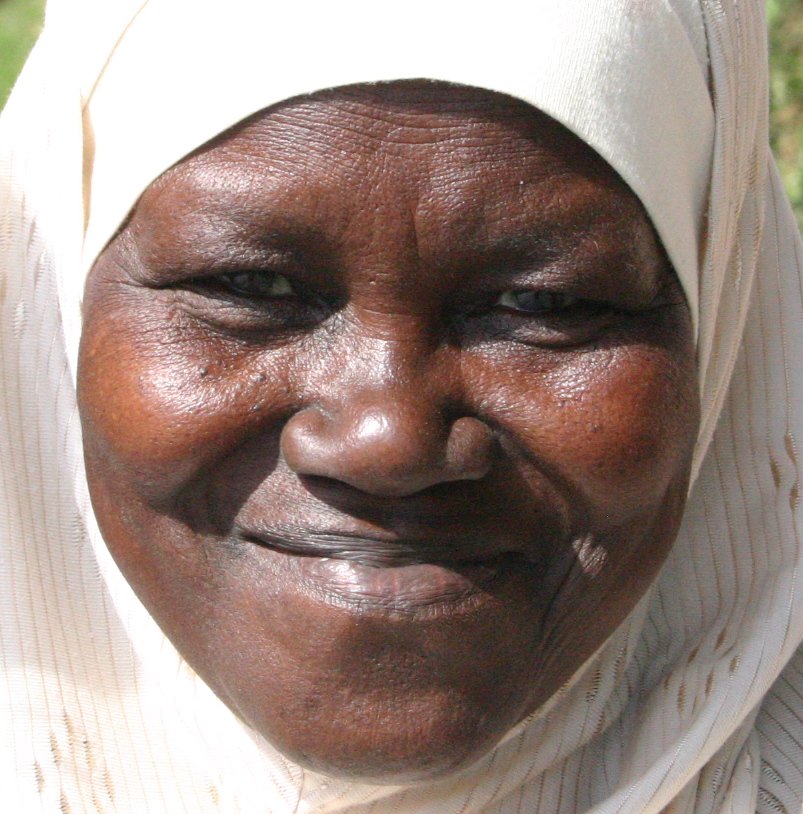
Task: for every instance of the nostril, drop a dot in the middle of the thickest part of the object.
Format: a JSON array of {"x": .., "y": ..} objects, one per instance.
[
  {"x": 391, "y": 452},
  {"x": 470, "y": 449}
]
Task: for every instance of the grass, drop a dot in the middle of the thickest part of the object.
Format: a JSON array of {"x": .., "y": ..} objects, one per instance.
[
  {"x": 786, "y": 90},
  {"x": 20, "y": 21}
]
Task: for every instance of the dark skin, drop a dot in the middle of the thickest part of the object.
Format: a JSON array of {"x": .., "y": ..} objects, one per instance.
[{"x": 388, "y": 399}]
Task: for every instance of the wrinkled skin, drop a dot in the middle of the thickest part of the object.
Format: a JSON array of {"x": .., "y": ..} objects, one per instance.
[{"x": 388, "y": 398}]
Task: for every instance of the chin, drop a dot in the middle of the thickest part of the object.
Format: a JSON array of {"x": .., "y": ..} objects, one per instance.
[{"x": 425, "y": 751}]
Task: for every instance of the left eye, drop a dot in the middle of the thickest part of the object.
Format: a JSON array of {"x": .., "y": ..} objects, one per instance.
[
  {"x": 258, "y": 284},
  {"x": 530, "y": 301}
]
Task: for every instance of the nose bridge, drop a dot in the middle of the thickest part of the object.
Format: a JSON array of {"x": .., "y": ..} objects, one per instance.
[
  {"x": 389, "y": 399},
  {"x": 391, "y": 369}
]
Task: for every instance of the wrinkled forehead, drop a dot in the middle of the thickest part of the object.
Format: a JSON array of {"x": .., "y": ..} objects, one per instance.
[
  {"x": 403, "y": 129},
  {"x": 455, "y": 169},
  {"x": 628, "y": 78}
]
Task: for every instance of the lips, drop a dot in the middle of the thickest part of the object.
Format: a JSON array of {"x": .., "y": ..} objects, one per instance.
[
  {"x": 378, "y": 549},
  {"x": 402, "y": 575},
  {"x": 406, "y": 587}
]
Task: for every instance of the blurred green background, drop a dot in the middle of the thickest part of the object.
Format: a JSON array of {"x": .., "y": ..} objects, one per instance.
[
  {"x": 19, "y": 24},
  {"x": 20, "y": 21},
  {"x": 785, "y": 19}
]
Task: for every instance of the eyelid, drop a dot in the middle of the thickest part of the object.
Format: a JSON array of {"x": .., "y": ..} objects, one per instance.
[
  {"x": 276, "y": 285},
  {"x": 600, "y": 280},
  {"x": 182, "y": 265},
  {"x": 552, "y": 301}
]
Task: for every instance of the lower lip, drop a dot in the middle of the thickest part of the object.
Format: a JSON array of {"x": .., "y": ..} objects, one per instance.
[{"x": 403, "y": 588}]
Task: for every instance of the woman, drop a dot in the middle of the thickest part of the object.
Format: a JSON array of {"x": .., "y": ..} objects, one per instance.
[{"x": 560, "y": 670}]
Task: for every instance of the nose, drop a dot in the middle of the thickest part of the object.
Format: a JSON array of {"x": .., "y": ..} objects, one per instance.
[{"x": 387, "y": 443}]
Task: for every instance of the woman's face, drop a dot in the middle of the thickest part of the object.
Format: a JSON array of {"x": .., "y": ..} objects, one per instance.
[{"x": 388, "y": 400}]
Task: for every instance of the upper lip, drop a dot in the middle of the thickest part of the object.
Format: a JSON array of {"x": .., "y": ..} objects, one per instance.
[
  {"x": 453, "y": 524},
  {"x": 380, "y": 549}
]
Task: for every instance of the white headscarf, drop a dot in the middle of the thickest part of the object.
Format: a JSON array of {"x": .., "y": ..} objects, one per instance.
[{"x": 695, "y": 704}]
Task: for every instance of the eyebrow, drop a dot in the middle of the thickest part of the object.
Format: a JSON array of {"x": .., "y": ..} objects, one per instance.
[
  {"x": 534, "y": 245},
  {"x": 552, "y": 241},
  {"x": 241, "y": 230},
  {"x": 553, "y": 252}
]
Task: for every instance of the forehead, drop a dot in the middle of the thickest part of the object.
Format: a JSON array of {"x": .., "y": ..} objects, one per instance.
[
  {"x": 428, "y": 152},
  {"x": 413, "y": 120}
]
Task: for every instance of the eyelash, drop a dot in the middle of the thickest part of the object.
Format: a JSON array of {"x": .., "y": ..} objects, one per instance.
[
  {"x": 533, "y": 301},
  {"x": 528, "y": 314},
  {"x": 278, "y": 286}
]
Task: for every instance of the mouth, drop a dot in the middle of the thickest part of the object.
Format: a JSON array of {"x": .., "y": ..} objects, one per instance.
[{"x": 388, "y": 573}]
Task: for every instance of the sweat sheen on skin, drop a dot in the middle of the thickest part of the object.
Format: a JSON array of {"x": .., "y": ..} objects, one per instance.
[{"x": 522, "y": 470}]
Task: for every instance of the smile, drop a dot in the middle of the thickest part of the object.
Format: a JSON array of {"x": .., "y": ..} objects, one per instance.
[{"x": 388, "y": 574}]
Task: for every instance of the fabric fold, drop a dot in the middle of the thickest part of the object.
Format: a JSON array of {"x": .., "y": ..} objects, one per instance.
[{"x": 694, "y": 705}]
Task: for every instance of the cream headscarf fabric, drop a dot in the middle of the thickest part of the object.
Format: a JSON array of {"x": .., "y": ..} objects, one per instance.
[{"x": 695, "y": 704}]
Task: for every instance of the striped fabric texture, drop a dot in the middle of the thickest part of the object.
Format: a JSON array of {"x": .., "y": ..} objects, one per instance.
[{"x": 694, "y": 705}]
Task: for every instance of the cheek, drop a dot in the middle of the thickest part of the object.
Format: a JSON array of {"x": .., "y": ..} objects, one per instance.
[
  {"x": 158, "y": 406},
  {"x": 616, "y": 426}
]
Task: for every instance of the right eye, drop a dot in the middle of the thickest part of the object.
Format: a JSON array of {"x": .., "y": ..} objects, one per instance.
[{"x": 248, "y": 301}]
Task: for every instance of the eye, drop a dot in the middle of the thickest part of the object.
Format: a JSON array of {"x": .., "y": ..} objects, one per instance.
[
  {"x": 543, "y": 317},
  {"x": 532, "y": 301},
  {"x": 252, "y": 301},
  {"x": 258, "y": 284}
]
